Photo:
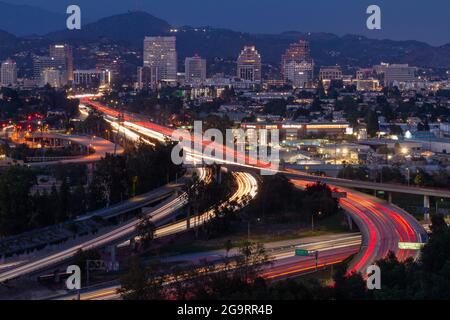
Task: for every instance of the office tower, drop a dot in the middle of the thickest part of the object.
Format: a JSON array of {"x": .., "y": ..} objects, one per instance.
[
  {"x": 51, "y": 77},
  {"x": 160, "y": 53},
  {"x": 41, "y": 63},
  {"x": 398, "y": 73},
  {"x": 195, "y": 70},
  {"x": 147, "y": 78},
  {"x": 63, "y": 58},
  {"x": 330, "y": 73},
  {"x": 297, "y": 63},
  {"x": 249, "y": 65},
  {"x": 8, "y": 74},
  {"x": 299, "y": 73}
]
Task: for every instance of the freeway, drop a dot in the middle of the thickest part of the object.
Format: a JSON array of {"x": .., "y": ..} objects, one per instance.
[
  {"x": 333, "y": 249},
  {"x": 389, "y": 187},
  {"x": 155, "y": 131},
  {"x": 158, "y": 215},
  {"x": 247, "y": 186},
  {"x": 382, "y": 225}
]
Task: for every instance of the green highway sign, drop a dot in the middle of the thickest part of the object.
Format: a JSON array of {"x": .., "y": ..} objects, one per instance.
[
  {"x": 410, "y": 245},
  {"x": 301, "y": 252}
]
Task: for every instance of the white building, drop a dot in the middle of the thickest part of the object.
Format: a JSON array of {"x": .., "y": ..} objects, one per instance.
[
  {"x": 8, "y": 74},
  {"x": 92, "y": 77},
  {"x": 195, "y": 70},
  {"x": 160, "y": 53},
  {"x": 395, "y": 74}
]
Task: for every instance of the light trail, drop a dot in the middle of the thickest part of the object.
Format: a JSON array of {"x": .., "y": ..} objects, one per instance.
[{"x": 382, "y": 225}]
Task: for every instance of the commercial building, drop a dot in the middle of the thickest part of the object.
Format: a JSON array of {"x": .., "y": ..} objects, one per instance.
[
  {"x": 296, "y": 130},
  {"x": 8, "y": 74},
  {"x": 330, "y": 73},
  {"x": 63, "y": 59},
  {"x": 299, "y": 73},
  {"x": 51, "y": 77},
  {"x": 147, "y": 78},
  {"x": 41, "y": 63},
  {"x": 249, "y": 65},
  {"x": 195, "y": 70},
  {"x": 92, "y": 77},
  {"x": 296, "y": 64},
  {"x": 395, "y": 74},
  {"x": 160, "y": 53}
]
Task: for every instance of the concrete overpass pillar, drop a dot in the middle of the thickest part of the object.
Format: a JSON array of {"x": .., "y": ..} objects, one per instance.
[
  {"x": 426, "y": 204},
  {"x": 390, "y": 197},
  {"x": 112, "y": 252}
]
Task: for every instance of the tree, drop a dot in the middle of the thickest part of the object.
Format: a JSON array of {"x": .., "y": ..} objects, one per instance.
[
  {"x": 15, "y": 200},
  {"x": 372, "y": 123},
  {"x": 318, "y": 200},
  {"x": 348, "y": 287},
  {"x": 145, "y": 231},
  {"x": 142, "y": 282}
]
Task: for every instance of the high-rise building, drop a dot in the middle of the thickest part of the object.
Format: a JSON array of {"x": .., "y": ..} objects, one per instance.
[
  {"x": 8, "y": 74},
  {"x": 249, "y": 64},
  {"x": 63, "y": 58},
  {"x": 299, "y": 73},
  {"x": 41, "y": 63},
  {"x": 147, "y": 78},
  {"x": 398, "y": 73},
  {"x": 330, "y": 73},
  {"x": 160, "y": 53},
  {"x": 51, "y": 77},
  {"x": 296, "y": 63},
  {"x": 195, "y": 70}
]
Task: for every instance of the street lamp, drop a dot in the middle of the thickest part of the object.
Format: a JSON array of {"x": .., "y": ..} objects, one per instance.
[
  {"x": 319, "y": 213},
  {"x": 437, "y": 202},
  {"x": 408, "y": 175}
]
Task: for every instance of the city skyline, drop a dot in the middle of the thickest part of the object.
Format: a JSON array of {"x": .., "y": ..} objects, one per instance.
[{"x": 144, "y": 161}]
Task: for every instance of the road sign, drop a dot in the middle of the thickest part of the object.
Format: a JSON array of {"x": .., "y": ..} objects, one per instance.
[
  {"x": 410, "y": 245},
  {"x": 301, "y": 252}
]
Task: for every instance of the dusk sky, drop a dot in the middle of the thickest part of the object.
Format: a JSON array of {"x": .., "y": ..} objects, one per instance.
[{"x": 401, "y": 19}]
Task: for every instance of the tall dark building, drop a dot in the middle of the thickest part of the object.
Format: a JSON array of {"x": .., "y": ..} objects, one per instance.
[{"x": 63, "y": 59}]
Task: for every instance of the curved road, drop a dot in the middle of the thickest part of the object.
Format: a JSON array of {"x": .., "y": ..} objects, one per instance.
[{"x": 382, "y": 225}]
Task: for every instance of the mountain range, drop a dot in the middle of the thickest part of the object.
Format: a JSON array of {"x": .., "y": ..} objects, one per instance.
[{"x": 327, "y": 49}]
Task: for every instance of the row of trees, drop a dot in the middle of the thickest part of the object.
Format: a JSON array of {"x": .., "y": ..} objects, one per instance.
[
  {"x": 204, "y": 281},
  {"x": 140, "y": 169},
  {"x": 114, "y": 179}
]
